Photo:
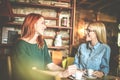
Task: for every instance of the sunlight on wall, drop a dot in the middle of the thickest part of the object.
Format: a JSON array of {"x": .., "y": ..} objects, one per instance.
[{"x": 81, "y": 32}]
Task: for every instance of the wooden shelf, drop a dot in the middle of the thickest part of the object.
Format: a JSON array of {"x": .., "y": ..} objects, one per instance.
[
  {"x": 40, "y": 5},
  {"x": 60, "y": 11},
  {"x": 9, "y": 24},
  {"x": 6, "y": 45},
  {"x": 19, "y": 24},
  {"x": 58, "y": 47},
  {"x": 50, "y": 47},
  {"x": 52, "y": 37},
  {"x": 46, "y": 18},
  {"x": 65, "y": 1},
  {"x": 59, "y": 27}
]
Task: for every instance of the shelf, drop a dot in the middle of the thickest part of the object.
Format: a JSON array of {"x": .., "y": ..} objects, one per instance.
[
  {"x": 52, "y": 37},
  {"x": 59, "y": 27},
  {"x": 12, "y": 24},
  {"x": 65, "y": 1},
  {"x": 54, "y": 27},
  {"x": 40, "y": 5},
  {"x": 6, "y": 45},
  {"x": 21, "y": 9},
  {"x": 46, "y": 18},
  {"x": 50, "y": 47},
  {"x": 58, "y": 47}
]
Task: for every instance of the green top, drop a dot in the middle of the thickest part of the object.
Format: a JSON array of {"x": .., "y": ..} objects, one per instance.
[{"x": 26, "y": 56}]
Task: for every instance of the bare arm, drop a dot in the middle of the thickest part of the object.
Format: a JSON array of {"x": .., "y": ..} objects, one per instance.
[
  {"x": 63, "y": 73},
  {"x": 54, "y": 67}
]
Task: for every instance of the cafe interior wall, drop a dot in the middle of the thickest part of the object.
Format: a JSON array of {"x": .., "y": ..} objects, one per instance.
[{"x": 83, "y": 17}]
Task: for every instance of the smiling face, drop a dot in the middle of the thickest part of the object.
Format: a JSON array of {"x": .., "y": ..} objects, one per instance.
[{"x": 40, "y": 26}]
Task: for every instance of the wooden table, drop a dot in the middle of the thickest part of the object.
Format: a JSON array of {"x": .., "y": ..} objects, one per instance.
[
  {"x": 109, "y": 77},
  {"x": 54, "y": 73}
]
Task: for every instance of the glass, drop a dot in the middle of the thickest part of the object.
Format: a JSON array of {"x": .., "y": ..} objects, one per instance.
[{"x": 88, "y": 30}]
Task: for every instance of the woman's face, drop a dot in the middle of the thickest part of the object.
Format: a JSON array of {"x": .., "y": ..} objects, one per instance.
[
  {"x": 40, "y": 26},
  {"x": 90, "y": 34}
]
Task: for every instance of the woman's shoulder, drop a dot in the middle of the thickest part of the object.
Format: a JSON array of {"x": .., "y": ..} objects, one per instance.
[
  {"x": 82, "y": 45},
  {"x": 20, "y": 42},
  {"x": 106, "y": 46}
]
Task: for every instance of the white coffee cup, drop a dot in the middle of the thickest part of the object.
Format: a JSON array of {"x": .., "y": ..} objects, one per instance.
[
  {"x": 90, "y": 72},
  {"x": 78, "y": 75}
]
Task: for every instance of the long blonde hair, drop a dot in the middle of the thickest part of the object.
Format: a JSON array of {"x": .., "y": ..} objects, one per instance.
[{"x": 100, "y": 31}]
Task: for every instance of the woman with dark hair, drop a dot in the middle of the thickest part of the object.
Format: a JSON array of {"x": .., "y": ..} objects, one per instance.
[{"x": 31, "y": 52}]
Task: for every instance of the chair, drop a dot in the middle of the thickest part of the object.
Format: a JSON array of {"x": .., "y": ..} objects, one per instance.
[
  {"x": 67, "y": 61},
  {"x": 9, "y": 67},
  {"x": 5, "y": 67},
  {"x": 57, "y": 57}
]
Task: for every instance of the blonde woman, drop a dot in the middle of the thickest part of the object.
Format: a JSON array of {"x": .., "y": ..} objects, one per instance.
[{"x": 95, "y": 53}]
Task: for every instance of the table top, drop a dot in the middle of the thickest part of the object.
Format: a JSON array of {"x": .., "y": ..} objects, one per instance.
[
  {"x": 108, "y": 77},
  {"x": 53, "y": 73}
]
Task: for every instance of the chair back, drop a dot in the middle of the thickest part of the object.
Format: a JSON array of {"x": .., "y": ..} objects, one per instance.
[{"x": 68, "y": 61}]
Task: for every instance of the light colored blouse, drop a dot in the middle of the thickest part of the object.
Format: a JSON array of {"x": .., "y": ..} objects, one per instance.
[{"x": 96, "y": 57}]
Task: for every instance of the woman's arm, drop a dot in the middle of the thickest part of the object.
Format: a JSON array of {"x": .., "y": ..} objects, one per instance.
[
  {"x": 104, "y": 67},
  {"x": 77, "y": 58},
  {"x": 105, "y": 61},
  {"x": 54, "y": 67},
  {"x": 63, "y": 73}
]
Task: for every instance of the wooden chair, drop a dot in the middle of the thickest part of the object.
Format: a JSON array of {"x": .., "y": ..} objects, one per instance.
[
  {"x": 57, "y": 57},
  {"x": 9, "y": 67},
  {"x": 68, "y": 61}
]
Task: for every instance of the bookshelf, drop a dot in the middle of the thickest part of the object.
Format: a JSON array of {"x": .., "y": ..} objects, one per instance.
[{"x": 53, "y": 11}]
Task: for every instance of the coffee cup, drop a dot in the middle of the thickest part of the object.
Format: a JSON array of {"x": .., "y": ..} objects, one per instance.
[
  {"x": 78, "y": 75},
  {"x": 90, "y": 72}
]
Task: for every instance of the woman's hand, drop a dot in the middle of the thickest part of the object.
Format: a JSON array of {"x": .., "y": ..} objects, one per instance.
[
  {"x": 72, "y": 69},
  {"x": 98, "y": 74},
  {"x": 54, "y": 67},
  {"x": 69, "y": 71}
]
